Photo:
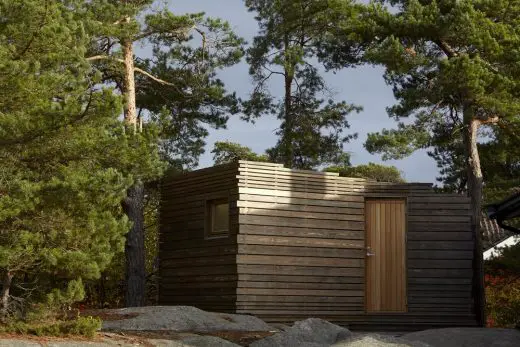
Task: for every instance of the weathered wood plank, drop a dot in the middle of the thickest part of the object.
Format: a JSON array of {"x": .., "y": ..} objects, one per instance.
[
  {"x": 196, "y": 290},
  {"x": 302, "y": 251},
  {"x": 299, "y": 292},
  {"x": 197, "y": 243},
  {"x": 299, "y": 242},
  {"x": 312, "y": 189},
  {"x": 439, "y": 281},
  {"x": 204, "y": 251},
  {"x": 437, "y": 300},
  {"x": 253, "y": 205},
  {"x": 440, "y": 294},
  {"x": 439, "y": 287},
  {"x": 194, "y": 299},
  {"x": 298, "y": 270},
  {"x": 325, "y": 217},
  {"x": 444, "y": 273},
  {"x": 247, "y": 170},
  {"x": 196, "y": 285},
  {"x": 193, "y": 175},
  {"x": 439, "y": 235},
  {"x": 441, "y": 206},
  {"x": 301, "y": 285},
  {"x": 439, "y": 254},
  {"x": 301, "y": 299},
  {"x": 231, "y": 277},
  {"x": 300, "y": 201},
  {"x": 435, "y": 210},
  {"x": 440, "y": 245},
  {"x": 437, "y": 219},
  {"x": 200, "y": 270},
  {"x": 439, "y": 264},
  {"x": 206, "y": 194},
  {"x": 199, "y": 261},
  {"x": 245, "y": 278},
  {"x": 253, "y": 167},
  {"x": 439, "y": 199},
  {"x": 299, "y": 261},
  {"x": 299, "y": 222},
  {"x": 301, "y": 195},
  {"x": 439, "y": 226},
  {"x": 273, "y": 230}
]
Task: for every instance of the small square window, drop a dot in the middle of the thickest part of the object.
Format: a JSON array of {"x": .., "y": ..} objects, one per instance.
[{"x": 217, "y": 217}]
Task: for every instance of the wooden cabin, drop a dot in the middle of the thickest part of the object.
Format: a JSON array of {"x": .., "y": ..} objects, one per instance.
[{"x": 284, "y": 245}]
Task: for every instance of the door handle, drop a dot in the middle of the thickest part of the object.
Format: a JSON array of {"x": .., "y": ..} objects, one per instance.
[{"x": 369, "y": 252}]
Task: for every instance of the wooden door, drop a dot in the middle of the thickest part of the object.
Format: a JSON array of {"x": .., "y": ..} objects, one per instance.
[{"x": 386, "y": 255}]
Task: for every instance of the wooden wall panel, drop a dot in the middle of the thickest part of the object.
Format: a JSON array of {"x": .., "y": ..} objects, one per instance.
[
  {"x": 195, "y": 270},
  {"x": 301, "y": 249},
  {"x": 440, "y": 254},
  {"x": 297, "y": 247}
]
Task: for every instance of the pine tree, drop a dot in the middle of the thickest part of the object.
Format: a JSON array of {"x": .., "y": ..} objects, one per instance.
[
  {"x": 378, "y": 172},
  {"x": 453, "y": 68},
  {"x": 62, "y": 158},
  {"x": 311, "y": 131},
  {"x": 176, "y": 92},
  {"x": 226, "y": 152}
]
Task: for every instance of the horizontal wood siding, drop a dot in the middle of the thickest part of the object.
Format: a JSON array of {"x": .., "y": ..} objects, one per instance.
[
  {"x": 196, "y": 270},
  {"x": 440, "y": 253},
  {"x": 297, "y": 247},
  {"x": 301, "y": 249}
]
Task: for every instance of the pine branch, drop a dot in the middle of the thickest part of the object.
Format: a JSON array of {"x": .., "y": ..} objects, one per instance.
[{"x": 446, "y": 48}]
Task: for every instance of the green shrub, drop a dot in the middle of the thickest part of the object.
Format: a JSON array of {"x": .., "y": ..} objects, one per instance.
[
  {"x": 81, "y": 326},
  {"x": 503, "y": 301},
  {"x": 503, "y": 288}
]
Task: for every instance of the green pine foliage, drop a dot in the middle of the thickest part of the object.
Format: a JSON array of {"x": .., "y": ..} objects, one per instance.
[
  {"x": 312, "y": 126},
  {"x": 444, "y": 57},
  {"x": 378, "y": 172},
  {"x": 226, "y": 152},
  {"x": 65, "y": 160},
  {"x": 178, "y": 98},
  {"x": 178, "y": 91},
  {"x": 441, "y": 58}
]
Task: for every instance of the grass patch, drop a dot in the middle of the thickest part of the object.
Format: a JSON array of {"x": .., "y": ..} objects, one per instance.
[{"x": 81, "y": 326}]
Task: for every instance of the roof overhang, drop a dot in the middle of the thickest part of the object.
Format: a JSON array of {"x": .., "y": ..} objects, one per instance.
[{"x": 504, "y": 211}]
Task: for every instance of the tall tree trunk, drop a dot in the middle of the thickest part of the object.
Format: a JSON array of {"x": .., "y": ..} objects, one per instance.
[
  {"x": 133, "y": 204},
  {"x": 288, "y": 140},
  {"x": 288, "y": 131},
  {"x": 130, "y": 107},
  {"x": 475, "y": 185},
  {"x": 4, "y": 294},
  {"x": 135, "y": 276}
]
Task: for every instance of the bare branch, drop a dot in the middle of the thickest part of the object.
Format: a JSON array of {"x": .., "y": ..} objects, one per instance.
[
  {"x": 136, "y": 69},
  {"x": 488, "y": 120},
  {"x": 446, "y": 48}
]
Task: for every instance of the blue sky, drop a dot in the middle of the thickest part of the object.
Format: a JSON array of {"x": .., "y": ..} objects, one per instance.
[{"x": 362, "y": 86}]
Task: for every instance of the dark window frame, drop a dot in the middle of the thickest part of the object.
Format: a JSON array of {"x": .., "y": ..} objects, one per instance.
[{"x": 210, "y": 231}]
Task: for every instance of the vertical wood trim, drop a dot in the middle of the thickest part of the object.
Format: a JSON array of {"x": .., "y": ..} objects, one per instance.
[{"x": 386, "y": 270}]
